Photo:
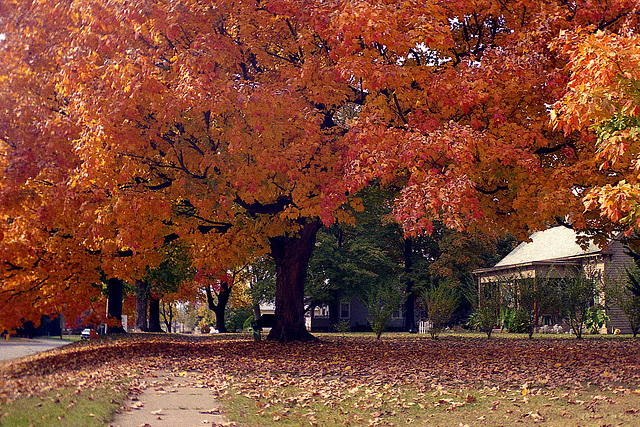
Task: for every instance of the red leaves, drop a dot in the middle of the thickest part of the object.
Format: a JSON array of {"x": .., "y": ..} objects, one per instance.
[{"x": 216, "y": 278}]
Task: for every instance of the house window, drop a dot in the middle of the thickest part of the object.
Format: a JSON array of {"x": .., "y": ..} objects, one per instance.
[
  {"x": 344, "y": 310},
  {"x": 398, "y": 314}
]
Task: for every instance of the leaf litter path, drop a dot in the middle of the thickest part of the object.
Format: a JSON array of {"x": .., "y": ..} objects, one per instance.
[
  {"x": 171, "y": 399},
  {"x": 330, "y": 373}
]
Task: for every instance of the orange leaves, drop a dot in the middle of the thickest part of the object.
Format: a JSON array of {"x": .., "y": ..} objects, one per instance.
[
  {"x": 602, "y": 97},
  {"x": 125, "y": 122},
  {"x": 437, "y": 168},
  {"x": 617, "y": 202},
  {"x": 601, "y": 65}
]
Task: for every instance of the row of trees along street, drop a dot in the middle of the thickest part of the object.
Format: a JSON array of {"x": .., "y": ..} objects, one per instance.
[{"x": 239, "y": 130}]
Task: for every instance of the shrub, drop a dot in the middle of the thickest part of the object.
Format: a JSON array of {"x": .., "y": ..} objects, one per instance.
[
  {"x": 596, "y": 318},
  {"x": 248, "y": 324},
  {"x": 235, "y": 317},
  {"x": 627, "y": 301},
  {"x": 343, "y": 326},
  {"x": 517, "y": 320},
  {"x": 441, "y": 302}
]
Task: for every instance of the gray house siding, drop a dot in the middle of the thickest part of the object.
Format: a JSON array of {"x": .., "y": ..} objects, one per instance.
[
  {"x": 357, "y": 316},
  {"x": 616, "y": 269}
]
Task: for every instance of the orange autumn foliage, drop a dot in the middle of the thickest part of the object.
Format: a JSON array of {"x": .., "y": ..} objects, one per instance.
[
  {"x": 602, "y": 97},
  {"x": 240, "y": 126}
]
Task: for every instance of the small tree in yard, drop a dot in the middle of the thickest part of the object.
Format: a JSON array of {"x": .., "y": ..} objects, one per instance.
[
  {"x": 382, "y": 299},
  {"x": 487, "y": 302},
  {"x": 577, "y": 293},
  {"x": 441, "y": 302}
]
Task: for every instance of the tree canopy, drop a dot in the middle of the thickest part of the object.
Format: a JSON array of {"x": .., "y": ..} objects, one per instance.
[
  {"x": 602, "y": 96},
  {"x": 242, "y": 127}
]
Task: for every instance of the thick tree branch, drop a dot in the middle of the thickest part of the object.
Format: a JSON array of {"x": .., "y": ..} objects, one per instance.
[{"x": 257, "y": 208}]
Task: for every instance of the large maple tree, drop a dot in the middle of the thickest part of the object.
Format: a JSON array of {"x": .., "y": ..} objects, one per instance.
[
  {"x": 243, "y": 126},
  {"x": 211, "y": 121}
]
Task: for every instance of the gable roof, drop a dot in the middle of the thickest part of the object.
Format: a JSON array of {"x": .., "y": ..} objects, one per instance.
[{"x": 551, "y": 244}]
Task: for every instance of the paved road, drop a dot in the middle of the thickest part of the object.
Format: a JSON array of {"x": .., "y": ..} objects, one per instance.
[{"x": 20, "y": 347}]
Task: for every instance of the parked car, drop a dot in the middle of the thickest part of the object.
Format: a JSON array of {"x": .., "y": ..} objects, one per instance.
[{"x": 88, "y": 333}]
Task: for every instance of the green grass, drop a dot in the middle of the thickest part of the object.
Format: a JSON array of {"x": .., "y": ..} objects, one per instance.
[
  {"x": 64, "y": 407},
  {"x": 65, "y": 337},
  {"x": 440, "y": 407}
]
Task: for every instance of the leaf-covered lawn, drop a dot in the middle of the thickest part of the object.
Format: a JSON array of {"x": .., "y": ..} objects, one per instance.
[{"x": 361, "y": 381}]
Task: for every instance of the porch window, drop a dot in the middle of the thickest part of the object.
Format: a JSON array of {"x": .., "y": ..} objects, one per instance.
[
  {"x": 345, "y": 308},
  {"x": 322, "y": 311}
]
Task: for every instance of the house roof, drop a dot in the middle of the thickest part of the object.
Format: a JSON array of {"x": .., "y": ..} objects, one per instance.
[{"x": 555, "y": 243}]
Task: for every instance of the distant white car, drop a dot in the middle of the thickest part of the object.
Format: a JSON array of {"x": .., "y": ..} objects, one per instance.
[{"x": 86, "y": 333}]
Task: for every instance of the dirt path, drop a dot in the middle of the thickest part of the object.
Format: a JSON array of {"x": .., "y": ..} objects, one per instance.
[{"x": 171, "y": 399}]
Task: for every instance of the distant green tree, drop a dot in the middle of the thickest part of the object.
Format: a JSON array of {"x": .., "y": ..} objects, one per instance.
[
  {"x": 261, "y": 278},
  {"x": 346, "y": 257},
  {"x": 175, "y": 269},
  {"x": 235, "y": 318},
  {"x": 577, "y": 294},
  {"x": 351, "y": 260}
]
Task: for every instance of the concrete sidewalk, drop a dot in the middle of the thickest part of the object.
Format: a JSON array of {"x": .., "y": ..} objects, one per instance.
[
  {"x": 171, "y": 399},
  {"x": 21, "y": 347}
]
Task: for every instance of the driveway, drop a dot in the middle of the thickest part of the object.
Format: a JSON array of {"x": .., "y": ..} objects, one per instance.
[{"x": 21, "y": 347}]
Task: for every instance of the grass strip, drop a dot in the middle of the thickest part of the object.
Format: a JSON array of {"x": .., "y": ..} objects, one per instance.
[
  {"x": 65, "y": 407},
  {"x": 293, "y": 406}
]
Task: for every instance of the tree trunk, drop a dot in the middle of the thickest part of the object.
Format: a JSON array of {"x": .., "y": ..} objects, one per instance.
[
  {"x": 223, "y": 299},
  {"x": 62, "y": 325},
  {"x": 220, "y": 307},
  {"x": 142, "y": 298},
  {"x": 154, "y": 313},
  {"x": 410, "y": 302},
  {"x": 334, "y": 308},
  {"x": 167, "y": 316},
  {"x": 256, "y": 312},
  {"x": 114, "y": 306},
  {"x": 291, "y": 255}
]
